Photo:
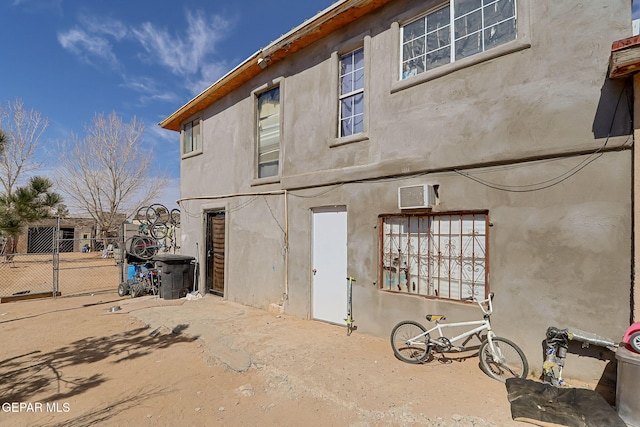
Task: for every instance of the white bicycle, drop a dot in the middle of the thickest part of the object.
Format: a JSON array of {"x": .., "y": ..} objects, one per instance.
[{"x": 500, "y": 358}]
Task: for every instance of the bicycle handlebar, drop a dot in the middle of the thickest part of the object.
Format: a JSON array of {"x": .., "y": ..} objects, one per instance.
[{"x": 487, "y": 301}]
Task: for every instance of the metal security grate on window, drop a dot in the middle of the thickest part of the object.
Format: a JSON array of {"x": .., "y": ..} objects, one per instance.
[{"x": 441, "y": 255}]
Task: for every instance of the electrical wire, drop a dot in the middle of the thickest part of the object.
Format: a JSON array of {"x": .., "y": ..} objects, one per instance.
[
  {"x": 273, "y": 215},
  {"x": 563, "y": 176}
]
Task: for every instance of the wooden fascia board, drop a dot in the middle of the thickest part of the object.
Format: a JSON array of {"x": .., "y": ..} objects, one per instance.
[
  {"x": 332, "y": 19},
  {"x": 323, "y": 25},
  {"x": 625, "y": 57},
  {"x": 219, "y": 89}
]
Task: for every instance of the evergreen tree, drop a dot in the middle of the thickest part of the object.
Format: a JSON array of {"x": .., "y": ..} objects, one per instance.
[{"x": 28, "y": 204}]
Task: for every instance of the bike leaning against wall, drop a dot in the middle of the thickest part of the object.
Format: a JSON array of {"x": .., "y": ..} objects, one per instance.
[{"x": 500, "y": 358}]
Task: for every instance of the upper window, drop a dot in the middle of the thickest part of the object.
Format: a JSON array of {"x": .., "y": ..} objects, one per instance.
[
  {"x": 191, "y": 137},
  {"x": 458, "y": 30},
  {"x": 351, "y": 93},
  {"x": 438, "y": 255},
  {"x": 268, "y": 133}
]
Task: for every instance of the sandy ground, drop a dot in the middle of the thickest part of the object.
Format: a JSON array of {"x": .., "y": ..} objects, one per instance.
[
  {"x": 78, "y": 273},
  {"x": 210, "y": 362}
]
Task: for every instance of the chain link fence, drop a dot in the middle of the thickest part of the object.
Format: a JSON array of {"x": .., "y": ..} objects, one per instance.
[
  {"x": 55, "y": 260},
  {"x": 96, "y": 267},
  {"x": 63, "y": 259}
]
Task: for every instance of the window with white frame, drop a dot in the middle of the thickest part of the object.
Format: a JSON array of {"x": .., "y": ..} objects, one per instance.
[
  {"x": 191, "y": 137},
  {"x": 436, "y": 255},
  {"x": 268, "y": 146},
  {"x": 460, "y": 29},
  {"x": 351, "y": 102}
]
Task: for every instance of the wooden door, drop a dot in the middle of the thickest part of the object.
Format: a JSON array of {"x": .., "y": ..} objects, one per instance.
[{"x": 215, "y": 252}]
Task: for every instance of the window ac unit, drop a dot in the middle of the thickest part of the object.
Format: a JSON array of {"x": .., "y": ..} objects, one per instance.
[{"x": 416, "y": 196}]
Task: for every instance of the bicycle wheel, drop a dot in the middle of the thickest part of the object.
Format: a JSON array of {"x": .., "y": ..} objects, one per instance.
[
  {"x": 157, "y": 214},
  {"x": 160, "y": 231},
  {"x": 123, "y": 289},
  {"x": 416, "y": 351},
  {"x": 507, "y": 362},
  {"x": 141, "y": 215},
  {"x": 174, "y": 217},
  {"x": 137, "y": 289},
  {"x": 142, "y": 247}
]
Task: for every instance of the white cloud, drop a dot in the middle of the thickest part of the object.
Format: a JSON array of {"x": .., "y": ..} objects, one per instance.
[
  {"x": 209, "y": 74},
  {"x": 105, "y": 26},
  {"x": 149, "y": 89},
  {"x": 91, "y": 39},
  {"x": 142, "y": 84},
  {"x": 156, "y": 133},
  {"x": 183, "y": 55},
  {"x": 188, "y": 54},
  {"x": 88, "y": 46}
]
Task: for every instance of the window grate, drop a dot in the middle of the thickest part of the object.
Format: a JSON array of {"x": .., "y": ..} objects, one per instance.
[{"x": 436, "y": 255}]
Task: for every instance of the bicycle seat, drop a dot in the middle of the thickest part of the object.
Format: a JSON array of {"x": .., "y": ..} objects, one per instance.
[{"x": 435, "y": 317}]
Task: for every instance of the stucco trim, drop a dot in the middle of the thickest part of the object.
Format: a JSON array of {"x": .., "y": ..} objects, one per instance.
[
  {"x": 276, "y": 82},
  {"x": 191, "y": 154},
  {"x": 508, "y": 48},
  {"x": 264, "y": 181},
  {"x": 364, "y": 136},
  {"x": 350, "y": 45},
  {"x": 197, "y": 151}
]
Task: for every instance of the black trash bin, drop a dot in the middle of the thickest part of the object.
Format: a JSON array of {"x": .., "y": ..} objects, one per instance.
[{"x": 176, "y": 275}]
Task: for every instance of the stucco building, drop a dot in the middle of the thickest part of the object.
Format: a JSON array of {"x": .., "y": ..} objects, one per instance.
[{"x": 433, "y": 150}]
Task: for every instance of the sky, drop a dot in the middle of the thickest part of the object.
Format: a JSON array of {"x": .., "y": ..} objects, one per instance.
[{"x": 73, "y": 59}]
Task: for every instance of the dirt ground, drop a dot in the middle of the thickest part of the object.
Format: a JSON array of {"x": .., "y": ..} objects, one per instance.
[
  {"x": 79, "y": 362},
  {"x": 78, "y": 273}
]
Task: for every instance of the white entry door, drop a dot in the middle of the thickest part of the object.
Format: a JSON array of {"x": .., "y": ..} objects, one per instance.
[{"x": 329, "y": 274}]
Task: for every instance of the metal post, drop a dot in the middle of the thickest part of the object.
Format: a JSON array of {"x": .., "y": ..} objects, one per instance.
[{"x": 56, "y": 257}]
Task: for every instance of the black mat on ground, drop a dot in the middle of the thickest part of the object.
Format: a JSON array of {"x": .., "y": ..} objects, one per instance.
[{"x": 545, "y": 405}]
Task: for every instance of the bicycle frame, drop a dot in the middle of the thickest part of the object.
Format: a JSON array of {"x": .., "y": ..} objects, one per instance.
[
  {"x": 482, "y": 325},
  {"x": 499, "y": 357}
]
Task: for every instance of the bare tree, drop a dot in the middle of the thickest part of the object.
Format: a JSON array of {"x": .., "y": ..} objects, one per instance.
[
  {"x": 23, "y": 130},
  {"x": 108, "y": 173}
]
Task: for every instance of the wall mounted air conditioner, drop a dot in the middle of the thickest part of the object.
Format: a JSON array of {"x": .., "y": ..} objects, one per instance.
[{"x": 416, "y": 196}]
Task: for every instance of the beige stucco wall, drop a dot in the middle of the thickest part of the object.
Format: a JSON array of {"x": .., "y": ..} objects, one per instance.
[{"x": 558, "y": 256}]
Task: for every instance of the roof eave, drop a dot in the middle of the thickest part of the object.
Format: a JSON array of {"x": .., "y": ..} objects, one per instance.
[
  {"x": 625, "y": 57},
  {"x": 324, "y": 23}
]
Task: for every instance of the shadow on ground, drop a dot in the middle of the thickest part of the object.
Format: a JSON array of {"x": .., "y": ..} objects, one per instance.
[
  {"x": 24, "y": 376},
  {"x": 44, "y": 313},
  {"x": 110, "y": 410}
]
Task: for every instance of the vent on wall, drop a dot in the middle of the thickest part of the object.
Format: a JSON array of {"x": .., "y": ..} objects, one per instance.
[{"x": 416, "y": 196}]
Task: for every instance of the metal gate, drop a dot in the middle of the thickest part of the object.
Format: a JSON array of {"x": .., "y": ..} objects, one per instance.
[{"x": 58, "y": 263}]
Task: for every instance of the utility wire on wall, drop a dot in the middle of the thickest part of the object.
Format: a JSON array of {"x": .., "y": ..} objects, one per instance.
[
  {"x": 563, "y": 176},
  {"x": 502, "y": 187}
]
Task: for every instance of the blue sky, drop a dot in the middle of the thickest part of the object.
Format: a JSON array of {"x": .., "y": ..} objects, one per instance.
[{"x": 72, "y": 59}]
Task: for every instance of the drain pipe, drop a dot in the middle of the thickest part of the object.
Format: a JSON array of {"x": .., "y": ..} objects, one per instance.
[{"x": 285, "y": 297}]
